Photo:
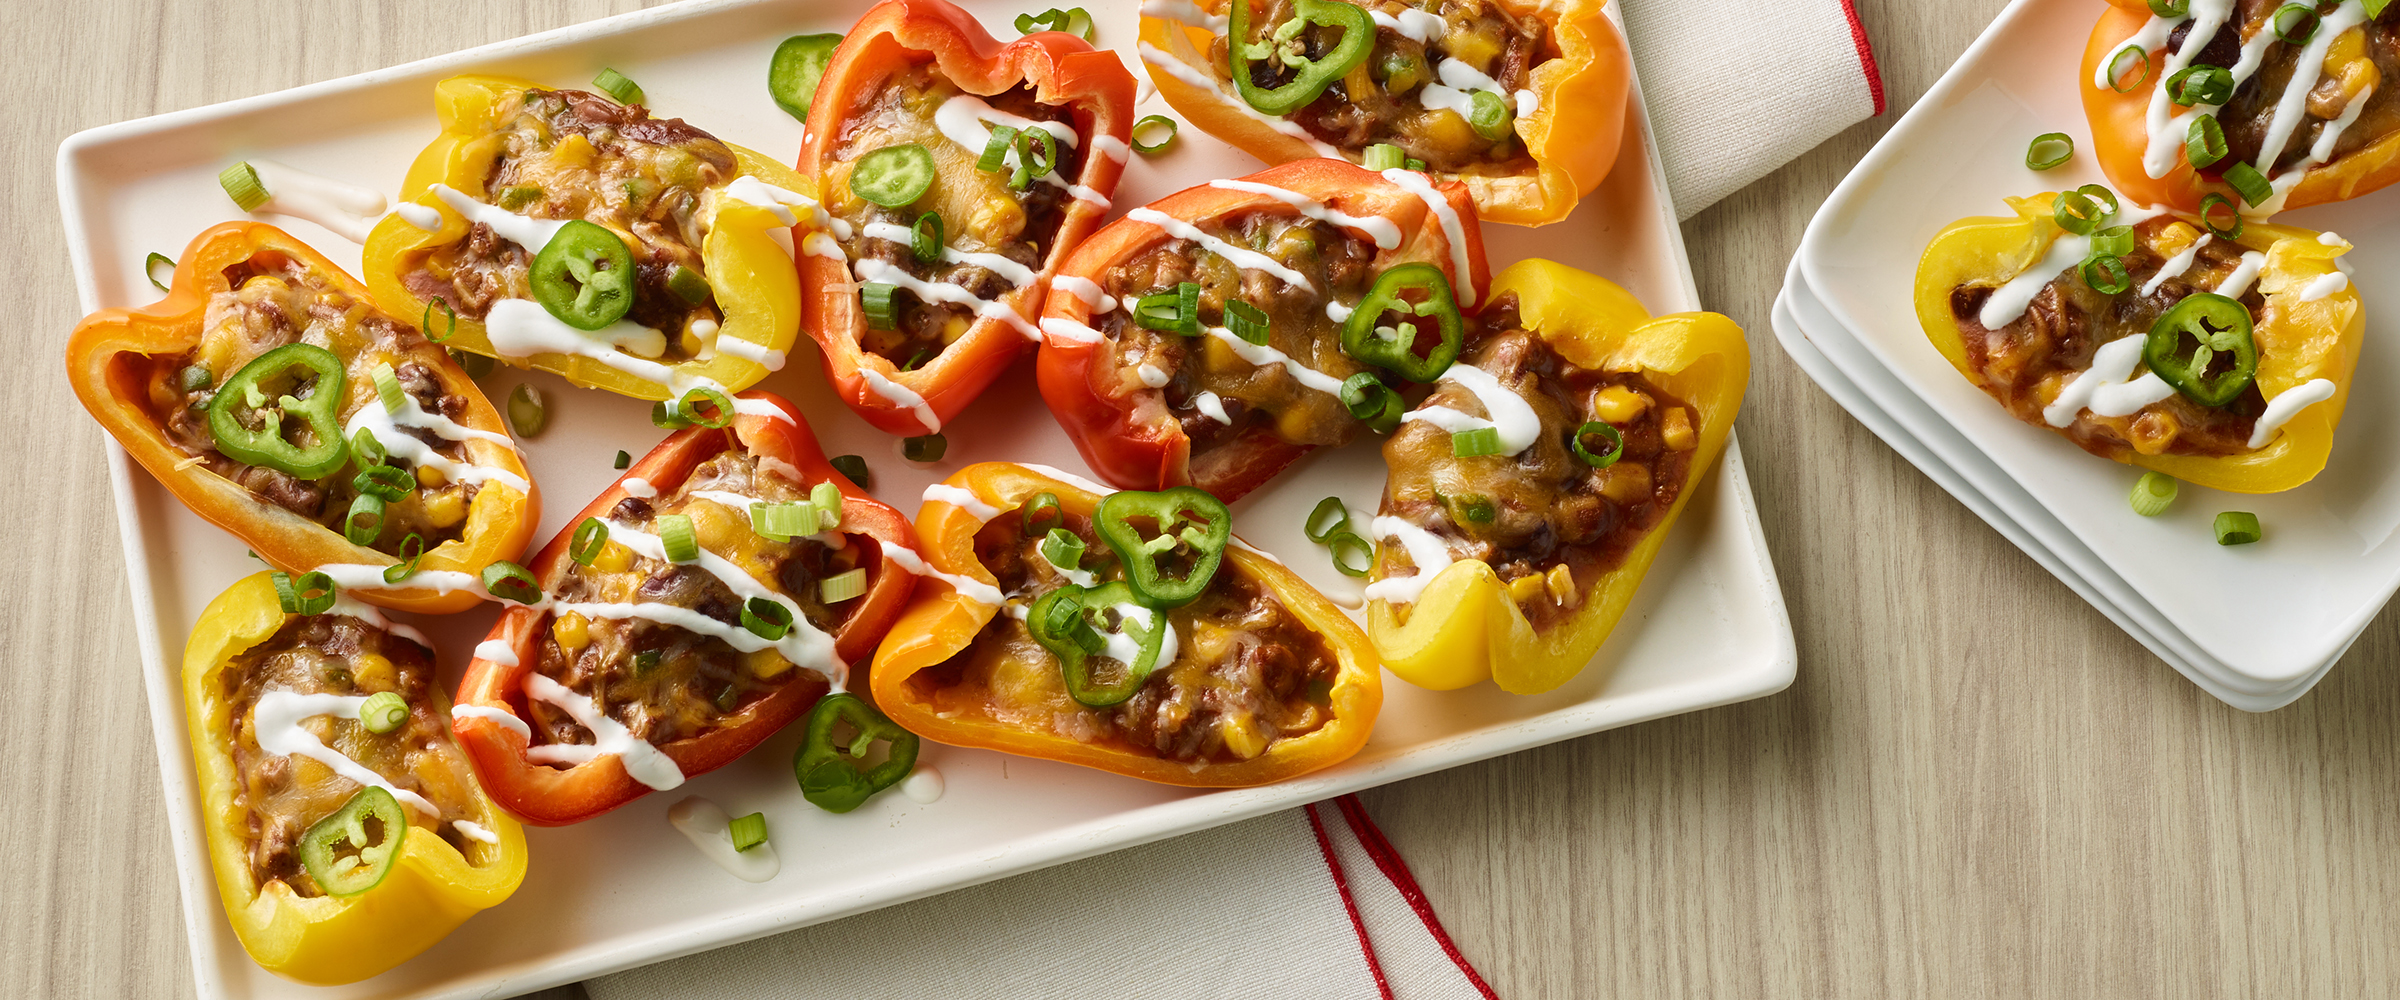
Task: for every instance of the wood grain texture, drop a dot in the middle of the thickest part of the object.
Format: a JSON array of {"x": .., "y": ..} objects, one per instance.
[{"x": 1978, "y": 786}]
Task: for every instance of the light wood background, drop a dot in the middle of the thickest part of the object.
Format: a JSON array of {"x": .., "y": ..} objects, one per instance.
[{"x": 1977, "y": 787}]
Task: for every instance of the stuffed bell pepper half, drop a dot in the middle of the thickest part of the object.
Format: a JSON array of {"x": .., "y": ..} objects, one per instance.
[
  {"x": 1124, "y": 631},
  {"x": 1213, "y": 337},
  {"x": 1531, "y": 490},
  {"x": 567, "y": 231},
  {"x": 711, "y": 596},
  {"x": 958, "y": 172},
  {"x": 345, "y": 825},
  {"x": 1522, "y": 101},
  {"x": 270, "y": 395},
  {"x": 2220, "y": 353}
]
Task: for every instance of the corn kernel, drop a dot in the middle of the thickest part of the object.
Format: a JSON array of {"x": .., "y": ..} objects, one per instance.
[
  {"x": 573, "y": 151},
  {"x": 446, "y": 508},
  {"x": 1618, "y": 404},
  {"x": 1525, "y": 588},
  {"x": 431, "y": 478},
  {"x": 1560, "y": 582},
  {"x": 1242, "y": 736},
  {"x": 372, "y": 673},
  {"x": 717, "y": 527},
  {"x": 614, "y": 558},
  {"x": 765, "y": 663},
  {"x": 2173, "y": 238},
  {"x": 1675, "y": 428},
  {"x": 1625, "y": 482},
  {"x": 572, "y": 631}
]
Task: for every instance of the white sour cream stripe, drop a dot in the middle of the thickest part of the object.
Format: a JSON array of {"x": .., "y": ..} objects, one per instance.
[
  {"x": 1426, "y": 549},
  {"x": 2176, "y": 265},
  {"x": 2245, "y": 272},
  {"x": 642, "y": 761},
  {"x": 805, "y": 644},
  {"x": 275, "y": 720},
  {"x": 968, "y": 587},
  {"x": 1241, "y": 257},
  {"x": 902, "y": 397},
  {"x": 1262, "y": 355},
  {"x": 385, "y": 425},
  {"x": 1453, "y": 229},
  {"x": 963, "y": 499},
  {"x": 1188, "y": 75},
  {"x": 1518, "y": 425},
  {"x": 2008, "y": 301},
  {"x": 347, "y": 210},
  {"x": 2112, "y": 365},
  {"x": 1384, "y": 232},
  {"x": 2285, "y": 406},
  {"x": 1124, "y": 648},
  {"x": 1008, "y": 270},
  {"x": 1087, "y": 290},
  {"x": 502, "y": 717},
  {"x": 871, "y": 270}
]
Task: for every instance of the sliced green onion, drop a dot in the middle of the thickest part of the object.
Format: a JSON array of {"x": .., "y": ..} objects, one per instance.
[
  {"x": 827, "y": 498},
  {"x": 1414, "y": 164},
  {"x": 783, "y": 522},
  {"x": 747, "y": 831},
  {"x": 718, "y": 407},
  {"x": 2200, "y": 84},
  {"x": 1332, "y": 514},
  {"x": 425, "y": 324},
  {"x": 475, "y": 365},
  {"x": 412, "y": 549},
  {"x": 917, "y": 360},
  {"x": 1043, "y": 513},
  {"x": 364, "y": 523},
  {"x": 614, "y": 84},
  {"x": 1247, "y": 321},
  {"x": 1475, "y": 441},
  {"x": 194, "y": 378},
  {"x": 1177, "y": 311},
  {"x": 2100, "y": 195},
  {"x": 646, "y": 661},
  {"x": 2208, "y": 218},
  {"x": 2106, "y": 274},
  {"x": 365, "y": 451},
  {"x": 2115, "y": 241},
  {"x": 591, "y": 538},
  {"x": 2078, "y": 213},
  {"x": 843, "y": 586},
  {"x": 383, "y": 712},
  {"x": 1489, "y": 115},
  {"x": 2374, "y": 7},
  {"x": 1352, "y": 555},
  {"x": 2050, "y": 149},
  {"x": 525, "y": 410},
  {"x": 307, "y": 594},
  {"x": 929, "y": 448},
  {"x": 854, "y": 467},
  {"x": 1149, "y": 123},
  {"x": 2253, "y": 185},
  {"x": 2117, "y": 68},
  {"x": 675, "y": 536},
  {"x": 385, "y": 482},
  {"x": 518, "y": 196},
  {"x": 241, "y": 184},
  {"x": 925, "y": 240},
  {"x": 387, "y": 388},
  {"x": 876, "y": 297},
  {"x": 1371, "y": 401},
  {"x": 2205, "y": 144},
  {"x": 2296, "y": 22},
  {"x": 1384, "y": 156},
  {"x": 767, "y": 619},
  {"x": 995, "y": 149},
  {"x": 509, "y": 581},
  {"x": 1601, "y": 460},
  {"x": 150, "y": 268},
  {"x": 1473, "y": 508},
  {"x": 1032, "y": 165},
  {"x": 2153, "y": 493},
  {"x": 665, "y": 416},
  {"x": 1063, "y": 548},
  {"x": 688, "y": 285},
  {"x": 1073, "y": 21},
  {"x": 623, "y": 459},
  {"x": 2237, "y": 527},
  {"x": 2170, "y": 8}
]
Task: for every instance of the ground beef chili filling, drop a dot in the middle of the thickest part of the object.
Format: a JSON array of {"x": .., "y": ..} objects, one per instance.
[
  {"x": 1247, "y": 671},
  {"x": 1545, "y": 521},
  {"x": 2027, "y": 363},
  {"x": 284, "y": 796},
  {"x": 566, "y": 154},
  {"x": 1382, "y": 100},
  {"x": 980, "y": 213},
  {"x": 1337, "y": 263},
  {"x": 662, "y": 682},
  {"x": 2353, "y": 64},
  {"x": 275, "y": 301}
]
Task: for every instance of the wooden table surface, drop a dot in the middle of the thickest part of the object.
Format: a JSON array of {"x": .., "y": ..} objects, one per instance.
[{"x": 1978, "y": 786}]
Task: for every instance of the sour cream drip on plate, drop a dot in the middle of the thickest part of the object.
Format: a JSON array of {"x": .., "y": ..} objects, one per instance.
[
  {"x": 1426, "y": 549},
  {"x": 1383, "y": 231},
  {"x": 709, "y": 827},
  {"x": 1518, "y": 425},
  {"x": 968, "y": 587},
  {"x": 347, "y": 210},
  {"x": 276, "y": 718},
  {"x": 2286, "y": 405},
  {"x": 643, "y": 762}
]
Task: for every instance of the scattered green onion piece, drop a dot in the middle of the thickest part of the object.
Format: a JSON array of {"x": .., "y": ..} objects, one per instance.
[
  {"x": 614, "y": 84},
  {"x": 623, "y": 459},
  {"x": 2296, "y": 22},
  {"x": 928, "y": 448},
  {"x": 518, "y": 196},
  {"x": 916, "y": 360},
  {"x": 925, "y": 241},
  {"x": 2106, "y": 274},
  {"x": 767, "y": 619},
  {"x": 2250, "y": 183},
  {"x": 475, "y": 365},
  {"x": 1063, "y": 548},
  {"x": 194, "y": 378},
  {"x": 1073, "y": 21},
  {"x": 1384, "y": 156},
  {"x": 719, "y": 407},
  {"x": 827, "y": 498},
  {"x": 241, "y": 184},
  {"x": 526, "y": 414},
  {"x": 995, "y": 149},
  {"x": 2049, "y": 149},
  {"x": 1371, "y": 401},
  {"x": 1475, "y": 441},
  {"x": 425, "y": 324},
  {"x": 675, "y": 536},
  {"x": 1332, "y": 514},
  {"x": 2170, "y": 8},
  {"x": 383, "y": 712},
  {"x": 412, "y": 550},
  {"x": 1037, "y": 156},
  {"x": 2153, "y": 493},
  {"x": 667, "y": 417},
  {"x": 2115, "y": 241},
  {"x": 844, "y": 586},
  {"x": 364, "y": 523},
  {"x": 1414, "y": 164},
  {"x": 307, "y": 594},
  {"x": 1352, "y": 555},
  {"x": 2117, "y": 68},
  {"x": 876, "y": 297},
  {"x": 1473, "y": 508},
  {"x": 1177, "y": 311},
  {"x": 1489, "y": 115},
  {"x": 1616, "y": 444},
  {"x": 2237, "y": 527},
  {"x": 387, "y": 388},
  {"x": 783, "y": 522},
  {"x": 853, "y": 467},
  {"x": 894, "y": 176},
  {"x": 2205, "y": 144},
  {"x": 385, "y": 482},
  {"x": 2077, "y": 213},
  {"x": 747, "y": 831},
  {"x": 1153, "y": 122},
  {"x": 2208, "y": 221},
  {"x": 365, "y": 451},
  {"x": 2200, "y": 84},
  {"x": 1043, "y": 513},
  {"x": 591, "y": 538},
  {"x": 1247, "y": 321},
  {"x": 150, "y": 268},
  {"x": 646, "y": 661},
  {"x": 688, "y": 285}
]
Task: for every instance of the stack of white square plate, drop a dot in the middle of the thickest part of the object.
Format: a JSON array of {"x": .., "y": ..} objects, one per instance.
[{"x": 2255, "y": 625}]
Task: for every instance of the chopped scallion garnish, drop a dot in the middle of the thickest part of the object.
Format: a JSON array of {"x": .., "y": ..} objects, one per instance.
[
  {"x": 511, "y": 582},
  {"x": 1600, "y": 459},
  {"x": 2106, "y": 274},
  {"x": 2237, "y": 527},
  {"x": 1331, "y": 515},
  {"x": 412, "y": 550},
  {"x": 2153, "y": 493},
  {"x": 2049, "y": 149},
  {"x": 876, "y": 298},
  {"x": 2170, "y": 8},
  {"x": 767, "y": 618},
  {"x": 783, "y": 522},
  {"x": 705, "y": 406},
  {"x": 449, "y": 328},
  {"x": 1352, "y": 555},
  {"x": 1247, "y": 321},
  {"x": 844, "y": 586},
  {"x": 853, "y": 467},
  {"x": 2200, "y": 84},
  {"x": 591, "y": 537},
  {"x": 614, "y": 84},
  {"x": 383, "y": 711},
  {"x": 675, "y": 536},
  {"x": 2205, "y": 144},
  {"x": 1064, "y": 549},
  {"x": 2117, "y": 70},
  {"x": 928, "y": 448},
  {"x": 1475, "y": 441},
  {"x": 1175, "y": 311},
  {"x": 827, "y": 499},
  {"x": 386, "y": 482},
  {"x": 995, "y": 150},
  {"x": 688, "y": 285},
  {"x": 1414, "y": 164},
  {"x": 307, "y": 594},
  {"x": 748, "y": 831},
  {"x": 2250, "y": 183},
  {"x": 624, "y": 459},
  {"x": 1042, "y": 513},
  {"x": 2296, "y": 22},
  {"x": 1150, "y": 124},
  {"x": 1073, "y": 21},
  {"x": 925, "y": 241},
  {"x": 365, "y": 451},
  {"x": 364, "y": 523},
  {"x": 2208, "y": 217},
  {"x": 194, "y": 378},
  {"x": 241, "y": 184},
  {"x": 1473, "y": 508},
  {"x": 1384, "y": 156},
  {"x": 150, "y": 268},
  {"x": 526, "y": 414},
  {"x": 387, "y": 388}
]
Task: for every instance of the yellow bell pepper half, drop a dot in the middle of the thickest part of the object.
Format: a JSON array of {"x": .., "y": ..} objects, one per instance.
[
  {"x": 2298, "y": 339},
  {"x": 755, "y": 287},
  {"x": 1466, "y": 627},
  {"x": 324, "y": 940}
]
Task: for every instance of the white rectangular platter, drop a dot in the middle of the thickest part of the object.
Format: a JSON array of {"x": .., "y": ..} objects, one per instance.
[
  {"x": 2329, "y": 561},
  {"x": 1708, "y": 628}
]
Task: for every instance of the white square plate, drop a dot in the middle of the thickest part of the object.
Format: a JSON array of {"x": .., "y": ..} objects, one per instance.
[
  {"x": 1708, "y": 628},
  {"x": 2327, "y": 564}
]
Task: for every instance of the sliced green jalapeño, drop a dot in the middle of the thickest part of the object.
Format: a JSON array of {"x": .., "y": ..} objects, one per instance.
[
  {"x": 2204, "y": 349},
  {"x": 351, "y": 850},
  {"x": 1283, "y": 46},
  {"x": 1062, "y": 621},
  {"x": 584, "y": 276},
  {"x": 1416, "y": 292},
  {"x": 1170, "y": 562},
  {"x": 251, "y": 412},
  {"x": 829, "y": 772}
]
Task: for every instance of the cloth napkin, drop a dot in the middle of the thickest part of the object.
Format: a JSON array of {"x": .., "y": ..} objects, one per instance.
[{"x": 1313, "y": 903}]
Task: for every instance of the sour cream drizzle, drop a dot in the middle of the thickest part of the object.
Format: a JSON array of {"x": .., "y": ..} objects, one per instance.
[
  {"x": 636, "y": 486},
  {"x": 1151, "y": 375},
  {"x": 1241, "y": 257},
  {"x": 1185, "y": 73},
  {"x": 1009, "y": 270},
  {"x": 1518, "y": 425},
  {"x": 709, "y": 827},
  {"x": 1185, "y": 11},
  {"x": 1069, "y": 478},
  {"x": 1069, "y": 330},
  {"x": 1383, "y": 231},
  {"x": 968, "y": 587},
  {"x": 643, "y": 762},
  {"x": 348, "y": 210},
  {"x": 1415, "y": 25},
  {"x": 752, "y": 191},
  {"x": 495, "y": 651},
  {"x": 276, "y": 717},
  {"x": 872, "y": 270},
  {"x": 1087, "y": 290},
  {"x": 805, "y": 644},
  {"x": 385, "y": 425},
  {"x": 1426, "y": 549},
  {"x": 1262, "y": 355},
  {"x": 963, "y": 499},
  {"x": 475, "y": 831},
  {"x": 2329, "y": 283},
  {"x": 2285, "y": 406},
  {"x": 1124, "y": 648},
  {"x": 1211, "y": 406},
  {"x": 2176, "y": 265},
  {"x": 344, "y": 605},
  {"x": 902, "y": 397},
  {"x": 1453, "y": 230},
  {"x": 504, "y": 718},
  {"x": 2238, "y": 282},
  {"x": 2008, "y": 301},
  {"x": 2112, "y": 366}
]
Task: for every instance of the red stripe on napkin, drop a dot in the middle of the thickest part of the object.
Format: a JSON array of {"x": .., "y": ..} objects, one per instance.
[
  {"x": 1387, "y": 859},
  {"x": 1866, "y": 54},
  {"x": 1341, "y": 884}
]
